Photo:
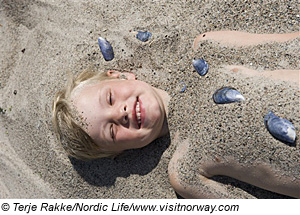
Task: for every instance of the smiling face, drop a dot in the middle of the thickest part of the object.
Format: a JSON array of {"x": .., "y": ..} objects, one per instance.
[{"x": 121, "y": 114}]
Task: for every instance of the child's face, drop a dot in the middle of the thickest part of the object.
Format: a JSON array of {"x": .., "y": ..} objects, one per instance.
[{"x": 113, "y": 119}]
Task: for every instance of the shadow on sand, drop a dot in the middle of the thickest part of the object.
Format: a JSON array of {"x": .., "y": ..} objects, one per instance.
[{"x": 104, "y": 171}]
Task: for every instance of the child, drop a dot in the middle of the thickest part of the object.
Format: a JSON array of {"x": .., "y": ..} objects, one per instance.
[{"x": 101, "y": 115}]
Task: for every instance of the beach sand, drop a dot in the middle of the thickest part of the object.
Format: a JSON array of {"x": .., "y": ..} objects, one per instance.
[{"x": 42, "y": 40}]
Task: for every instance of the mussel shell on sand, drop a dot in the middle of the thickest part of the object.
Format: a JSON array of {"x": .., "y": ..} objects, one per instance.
[
  {"x": 106, "y": 49},
  {"x": 281, "y": 129},
  {"x": 201, "y": 66},
  {"x": 143, "y": 36},
  {"x": 226, "y": 95}
]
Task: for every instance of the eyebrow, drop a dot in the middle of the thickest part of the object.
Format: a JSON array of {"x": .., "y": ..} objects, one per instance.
[{"x": 102, "y": 95}]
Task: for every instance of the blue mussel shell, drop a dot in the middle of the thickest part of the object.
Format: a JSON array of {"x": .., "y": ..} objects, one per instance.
[
  {"x": 106, "y": 49},
  {"x": 143, "y": 36},
  {"x": 279, "y": 128},
  {"x": 201, "y": 66},
  {"x": 227, "y": 95}
]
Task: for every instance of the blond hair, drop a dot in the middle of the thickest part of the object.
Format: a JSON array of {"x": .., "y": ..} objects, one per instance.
[{"x": 68, "y": 125}]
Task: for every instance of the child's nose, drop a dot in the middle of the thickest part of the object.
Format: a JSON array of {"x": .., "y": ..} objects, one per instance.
[{"x": 122, "y": 115}]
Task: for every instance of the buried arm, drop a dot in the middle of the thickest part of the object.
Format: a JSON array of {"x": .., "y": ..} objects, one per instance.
[
  {"x": 261, "y": 175},
  {"x": 204, "y": 189}
]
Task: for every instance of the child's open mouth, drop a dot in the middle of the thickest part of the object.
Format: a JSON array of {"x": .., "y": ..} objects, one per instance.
[{"x": 137, "y": 113}]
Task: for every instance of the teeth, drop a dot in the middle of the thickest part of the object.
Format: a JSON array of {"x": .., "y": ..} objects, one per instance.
[{"x": 138, "y": 113}]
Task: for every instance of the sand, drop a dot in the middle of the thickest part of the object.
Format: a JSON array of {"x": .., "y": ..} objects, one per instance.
[{"x": 42, "y": 40}]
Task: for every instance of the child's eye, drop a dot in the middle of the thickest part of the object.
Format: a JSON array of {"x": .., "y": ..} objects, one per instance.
[
  {"x": 110, "y": 98},
  {"x": 112, "y": 134}
]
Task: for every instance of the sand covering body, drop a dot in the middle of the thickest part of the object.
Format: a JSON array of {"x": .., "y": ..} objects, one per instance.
[{"x": 220, "y": 131}]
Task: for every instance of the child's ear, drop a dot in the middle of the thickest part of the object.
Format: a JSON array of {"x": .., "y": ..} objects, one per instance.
[
  {"x": 116, "y": 74},
  {"x": 112, "y": 73}
]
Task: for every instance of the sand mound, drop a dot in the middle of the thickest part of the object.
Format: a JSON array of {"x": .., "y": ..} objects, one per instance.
[{"x": 41, "y": 41}]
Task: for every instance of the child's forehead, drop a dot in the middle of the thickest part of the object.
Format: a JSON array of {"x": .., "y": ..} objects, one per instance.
[
  {"x": 87, "y": 84},
  {"x": 80, "y": 87},
  {"x": 103, "y": 83}
]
